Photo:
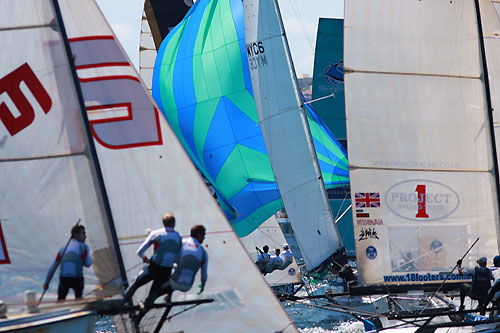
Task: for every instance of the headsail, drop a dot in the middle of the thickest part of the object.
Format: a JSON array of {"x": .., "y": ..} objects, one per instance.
[
  {"x": 420, "y": 149},
  {"x": 283, "y": 120}
]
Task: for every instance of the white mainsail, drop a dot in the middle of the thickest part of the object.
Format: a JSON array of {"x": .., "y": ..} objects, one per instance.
[
  {"x": 420, "y": 149},
  {"x": 47, "y": 174},
  {"x": 50, "y": 179},
  {"x": 286, "y": 133},
  {"x": 490, "y": 17},
  {"x": 147, "y": 173}
]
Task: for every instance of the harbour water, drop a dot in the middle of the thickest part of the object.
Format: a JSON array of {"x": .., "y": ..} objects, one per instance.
[{"x": 307, "y": 319}]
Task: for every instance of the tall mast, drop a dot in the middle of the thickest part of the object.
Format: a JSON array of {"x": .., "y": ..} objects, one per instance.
[
  {"x": 91, "y": 145},
  {"x": 490, "y": 109}
]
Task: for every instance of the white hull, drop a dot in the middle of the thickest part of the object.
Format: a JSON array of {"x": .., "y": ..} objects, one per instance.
[{"x": 59, "y": 321}]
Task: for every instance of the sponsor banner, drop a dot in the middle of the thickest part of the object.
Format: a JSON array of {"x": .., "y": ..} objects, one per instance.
[
  {"x": 426, "y": 277},
  {"x": 371, "y": 252},
  {"x": 367, "y": 233},
  {"x": 422, "y": 200},
  {"x": 370, "y": 222}
]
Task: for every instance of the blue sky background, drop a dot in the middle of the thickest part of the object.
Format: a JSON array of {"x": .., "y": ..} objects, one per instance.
[{"x": 300, "y": 18}]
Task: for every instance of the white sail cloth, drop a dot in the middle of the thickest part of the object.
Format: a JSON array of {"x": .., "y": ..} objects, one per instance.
[
  {"x": 286, "y": 133},
  {"x": 51, "y": 181},
  {"x": 420, "y": 149}
]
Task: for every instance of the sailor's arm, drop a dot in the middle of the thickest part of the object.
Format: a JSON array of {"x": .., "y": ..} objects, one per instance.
[
  {"x": 204, "y": 268},
  {"x": 87, "y": 259},
  {"x": 459, "y": 264},
  {"x": 51, "y": 271},
  {"x": 145, "y": 245}
]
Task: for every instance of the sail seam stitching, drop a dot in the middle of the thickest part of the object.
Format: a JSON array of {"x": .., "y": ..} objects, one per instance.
[
  {"x": 350, "y": 71},
  {"x": 351, "y": 167},
  {"x": 47, "y": 25},
  {"x": 39, "y": 157}
]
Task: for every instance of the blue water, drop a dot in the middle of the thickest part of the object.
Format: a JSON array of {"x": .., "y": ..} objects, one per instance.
[{"x": 307, "y": 319}]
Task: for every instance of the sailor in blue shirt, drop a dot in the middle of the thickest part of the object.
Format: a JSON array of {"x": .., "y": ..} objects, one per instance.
[
  {"x": 192, "y": 258},
  {"x": 167, "y": 245},
  {"x": 274, "y": 263},
  {"x": 71, "y": 258}
]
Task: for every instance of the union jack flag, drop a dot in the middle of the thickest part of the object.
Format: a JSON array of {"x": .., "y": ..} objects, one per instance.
[{"x": 367, "y": 200}]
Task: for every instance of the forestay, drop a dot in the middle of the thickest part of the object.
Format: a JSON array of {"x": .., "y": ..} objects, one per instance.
[
  {"x": 283, "y": 122},
  {"x": 47, "y": 174},
  {"x": 147, "y": 173},
  {"x": 420, "y": 150}
]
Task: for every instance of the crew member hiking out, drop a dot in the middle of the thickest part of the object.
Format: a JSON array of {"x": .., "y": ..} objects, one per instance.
[
  {"x": 167, "y": 243},
  {"x": 192, "y": 257},
  {"x": 263, "y": 258},
  {"x": 286, "y": 256},
  {"x": 71, "y": 258},
  {"x": 274, "y": 263},
  {"x": 481, "y": 282}
]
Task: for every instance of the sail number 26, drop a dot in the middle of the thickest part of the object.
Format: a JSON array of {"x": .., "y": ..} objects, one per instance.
[{"x": 422, "y": 212}]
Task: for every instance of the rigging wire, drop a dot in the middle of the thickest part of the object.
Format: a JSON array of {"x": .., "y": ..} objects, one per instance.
[
  {"x": 446, "y": 279},
  {"x": 358, "y": 314},
  {"x": 301, "y": 23}
]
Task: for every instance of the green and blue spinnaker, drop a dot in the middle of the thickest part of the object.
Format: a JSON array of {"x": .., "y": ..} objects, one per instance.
[{"x": 202, "y": 84}]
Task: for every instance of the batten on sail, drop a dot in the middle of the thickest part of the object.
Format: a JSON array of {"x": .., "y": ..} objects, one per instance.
[{"x": 420, "y": 150}]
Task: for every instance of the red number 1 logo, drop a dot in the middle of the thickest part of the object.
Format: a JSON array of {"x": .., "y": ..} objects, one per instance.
[{"x": 421, "y": 200}]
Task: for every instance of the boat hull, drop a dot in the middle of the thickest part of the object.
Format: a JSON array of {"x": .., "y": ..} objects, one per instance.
[{"x": 61, "y": 321}]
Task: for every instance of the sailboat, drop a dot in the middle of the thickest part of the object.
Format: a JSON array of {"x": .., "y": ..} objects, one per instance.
[
  {"x": 430, "y": 202},
  {"x": 212, "y": 111},
  {"x": 427, "y": 101},
  {"x": 283, "y": 121},
  {"x": 329, "y": 104},
  {"x": 286, "y": 281},
  {"x": 82, "y": 139}
]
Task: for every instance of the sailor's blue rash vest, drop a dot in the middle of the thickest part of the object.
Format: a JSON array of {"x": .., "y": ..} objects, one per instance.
[{"x": 167, "y": 243}]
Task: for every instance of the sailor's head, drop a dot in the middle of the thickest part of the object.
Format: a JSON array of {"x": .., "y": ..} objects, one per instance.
[
  {"x": 265, "y": 248},
  {"x": 496, "y": 261},
  {"x": 78, "y": 233},
  {"x": 198, "y": 232},
  {"x": 277, "y": 251},
  {"x": 482, "y": 261},
  {"x": 286, "y": 247},
  {"x": 168, "y": 220}
]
